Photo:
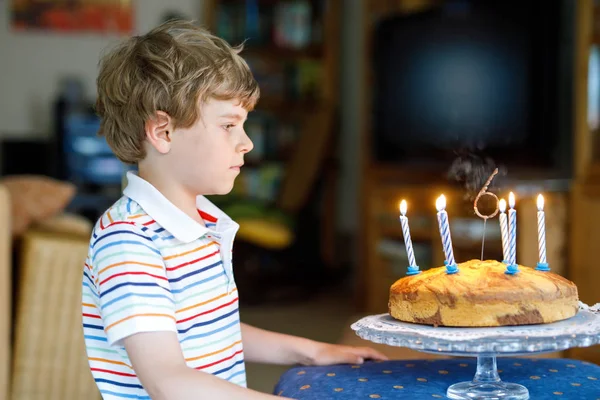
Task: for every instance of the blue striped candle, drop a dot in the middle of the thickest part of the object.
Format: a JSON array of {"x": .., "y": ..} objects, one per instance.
[
  {"x": 541, "y": 219},
  {"x": 512, "y": 267},
  {"x": 442, "y": 215},
  {"x": 413, "y": 268}
]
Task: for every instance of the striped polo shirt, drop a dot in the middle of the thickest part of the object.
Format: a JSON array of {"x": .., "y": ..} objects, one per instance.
[{"x": 150, "y": 267}]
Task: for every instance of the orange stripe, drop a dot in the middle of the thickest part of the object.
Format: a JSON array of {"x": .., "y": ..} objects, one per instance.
[
  {"x": 205, "y": 302},
  {"x": 129, "y": 262},
  {"x": 213, "y": 353},
  {"x": 191, "y": 251},
  {"x": 138, "y": 315},
  {"x": 136, "y": 216},
  {"x": 89, "y": 305},
  {"x": 110, "y": 362},
  {"x": 109, "y": 217}
]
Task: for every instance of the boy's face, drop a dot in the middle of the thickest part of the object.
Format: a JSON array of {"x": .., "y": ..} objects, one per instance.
[{"x": 207, "y": 157}]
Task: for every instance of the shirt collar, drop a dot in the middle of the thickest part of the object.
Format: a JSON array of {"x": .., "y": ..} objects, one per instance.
[{"x": 169, "y": 216}]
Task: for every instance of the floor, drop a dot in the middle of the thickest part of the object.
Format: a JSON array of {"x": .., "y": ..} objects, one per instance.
[{"x": 324, "y": 318}]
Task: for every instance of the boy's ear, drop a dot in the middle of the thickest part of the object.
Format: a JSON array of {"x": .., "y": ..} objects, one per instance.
[{"x": 159, "y": 130}]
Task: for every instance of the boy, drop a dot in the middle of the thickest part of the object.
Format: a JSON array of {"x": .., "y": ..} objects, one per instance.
[{"x": 160, "y": 305}]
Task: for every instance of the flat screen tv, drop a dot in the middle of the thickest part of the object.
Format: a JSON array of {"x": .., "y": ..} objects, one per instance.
[{"x": 492, "y": 77}]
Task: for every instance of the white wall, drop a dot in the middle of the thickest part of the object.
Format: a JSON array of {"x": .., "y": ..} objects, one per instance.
[{"x": 32, "y": 63}]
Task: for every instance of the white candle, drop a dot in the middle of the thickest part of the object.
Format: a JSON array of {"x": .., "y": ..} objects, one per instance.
[
  {"x": 444, "y": 225},
  {"x": 504, "y": 230},
  {"x": 512, "y": 226},
  {"x": 541, "y": 221}
]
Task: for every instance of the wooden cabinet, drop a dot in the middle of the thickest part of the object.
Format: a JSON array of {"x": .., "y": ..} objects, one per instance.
[{"x": 584, "y": 238}]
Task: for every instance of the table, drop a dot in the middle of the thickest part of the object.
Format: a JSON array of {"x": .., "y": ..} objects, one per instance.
[{"x": 429, "y": 379}]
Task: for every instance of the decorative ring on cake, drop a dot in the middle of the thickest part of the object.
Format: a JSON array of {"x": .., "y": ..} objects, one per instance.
[{"x": 484, "y": 192}]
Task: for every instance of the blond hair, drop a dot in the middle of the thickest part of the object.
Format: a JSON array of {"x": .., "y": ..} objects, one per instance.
[{"x": 169, "y": 69}]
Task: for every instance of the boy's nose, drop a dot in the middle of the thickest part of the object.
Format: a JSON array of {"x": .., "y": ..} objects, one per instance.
[{"x": 246, "y": 144}]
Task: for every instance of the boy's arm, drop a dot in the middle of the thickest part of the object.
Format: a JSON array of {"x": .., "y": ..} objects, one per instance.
[
  {"x": 159, "y": 364},
  {"x": 268, "y": 347}
]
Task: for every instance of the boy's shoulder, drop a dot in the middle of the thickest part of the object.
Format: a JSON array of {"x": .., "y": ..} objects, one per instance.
[{"x": 124, "y": 215}]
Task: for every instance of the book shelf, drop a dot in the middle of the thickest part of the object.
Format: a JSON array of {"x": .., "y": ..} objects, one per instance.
[{"x": 292, "y": 49}]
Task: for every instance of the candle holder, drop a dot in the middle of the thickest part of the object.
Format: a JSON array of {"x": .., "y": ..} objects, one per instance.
[
  {"x": 412, "y": 270},
  {"x": 512, "y": 269},
  {"x": 542, "y": 267}
]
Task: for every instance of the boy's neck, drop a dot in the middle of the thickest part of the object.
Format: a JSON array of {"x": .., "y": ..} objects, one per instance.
[{"x": 176, "y": 194}]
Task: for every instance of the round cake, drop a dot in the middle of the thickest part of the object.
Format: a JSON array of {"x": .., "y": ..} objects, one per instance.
[{"x": 482, "y": 294}]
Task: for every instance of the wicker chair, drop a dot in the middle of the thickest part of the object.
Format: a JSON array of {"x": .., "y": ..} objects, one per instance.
[{"x": 49, "y": 358}]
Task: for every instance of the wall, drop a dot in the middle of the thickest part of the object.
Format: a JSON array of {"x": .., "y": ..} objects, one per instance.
[
  {"x": 351, "y": 98},
  {"x": 32, "y": 64}
]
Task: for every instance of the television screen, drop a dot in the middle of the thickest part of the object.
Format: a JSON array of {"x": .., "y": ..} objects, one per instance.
[{"x": 492, "y": 77}]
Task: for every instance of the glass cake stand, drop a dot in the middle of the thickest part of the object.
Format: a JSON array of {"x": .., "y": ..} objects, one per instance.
[{"x": 486, "y": 344}]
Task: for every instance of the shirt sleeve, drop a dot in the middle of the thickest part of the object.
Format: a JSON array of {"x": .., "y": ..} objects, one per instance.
[{"x": 133, "y": 289}]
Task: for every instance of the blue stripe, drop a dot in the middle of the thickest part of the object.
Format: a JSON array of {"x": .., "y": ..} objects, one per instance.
[
  {"x": 199, "y": 324},
  {"x": 202, "y": 335},
  {"x": 125, "y": 396},
  {"x": 91, "y": 289},
  {"x": 228, "y": 368},
  {"x": 129, "y": 205},
  {"x": 123, "y": 242},
  {"x": 230, "y": 377},
  {"x": 120, "y": 285},
  {"x": 85, "y": 274},
  {"x": 170, "y": 237},
  {"x": 109, "y": 303},
  {"x": 127, "y": 385},
  {"x": 90, "y": 326},
  {"x": 159, "y": 230},
  {"x": 195, "y": 272},
  {"x": 191, "y": 285},
  {"x": 90, "y": 337},
  {"x": 123, "y": 231}
]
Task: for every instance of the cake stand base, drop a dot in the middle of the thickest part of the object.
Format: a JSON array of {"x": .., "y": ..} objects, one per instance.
[{"x": 487, "y": 384}]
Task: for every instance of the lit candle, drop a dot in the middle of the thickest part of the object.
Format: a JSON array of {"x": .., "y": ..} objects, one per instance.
[
  {"x": 512, "y": 267},
  {"x": 413, "y": 268},
  {"x": 504, "y": 230},
  {"x": 442, "y": 215},
  {"x": 541, "y": 220}
]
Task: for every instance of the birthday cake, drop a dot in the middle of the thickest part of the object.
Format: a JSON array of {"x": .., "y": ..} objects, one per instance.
[{"x": 482, "y": 294}]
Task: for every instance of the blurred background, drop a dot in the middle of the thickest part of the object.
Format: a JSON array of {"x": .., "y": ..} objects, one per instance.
[{"x": 363, "y": 104}]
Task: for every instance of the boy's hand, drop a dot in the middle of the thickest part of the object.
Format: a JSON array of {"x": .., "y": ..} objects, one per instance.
[{"x": 328, "y": 354}]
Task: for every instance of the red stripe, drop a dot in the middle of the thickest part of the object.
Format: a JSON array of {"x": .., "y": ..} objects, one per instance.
[
  {"x": 220, "y": 361},
  {"x": 191, "y": 262},
  {"x": 208, "y": 311},
  {"x": 113, "y": 372},
  {"x": 118, "y": 223},
  {"x": 91, "y": 316},
  {"x": 132, "y": 273},
  {"x": 207, "y": 217},
  {"x": 148, "y": 223}
]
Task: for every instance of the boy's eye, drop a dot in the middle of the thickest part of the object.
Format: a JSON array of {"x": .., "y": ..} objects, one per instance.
[{"x": 228, "y": 127}]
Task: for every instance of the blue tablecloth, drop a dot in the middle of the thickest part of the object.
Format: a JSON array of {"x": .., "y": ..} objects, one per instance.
[{"x": 427, "y": 379}]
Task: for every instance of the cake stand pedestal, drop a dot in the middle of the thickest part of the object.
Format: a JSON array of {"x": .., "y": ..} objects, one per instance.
[{"x": 486, "y": 344}]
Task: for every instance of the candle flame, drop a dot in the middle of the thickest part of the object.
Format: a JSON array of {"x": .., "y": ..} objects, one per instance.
[
  {"x": 502, "y": 205},
  {"x": 403, "y": 207},
  {"x": 540, "y": 202},
  {"x": 440, "y": 203},
  {"x": 511, "y": 200}
]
